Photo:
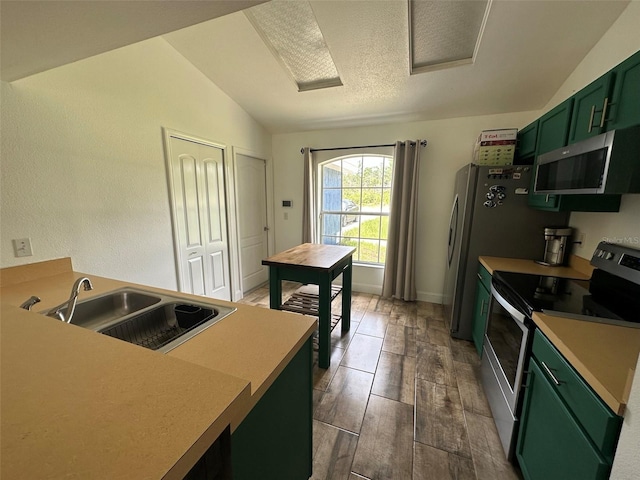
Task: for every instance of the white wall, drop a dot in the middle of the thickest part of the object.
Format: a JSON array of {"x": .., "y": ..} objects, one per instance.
[
  {"x": 621, "y": 41},
  {"x": 450, "y": 146},
  {"x": 83, "y": 168}
]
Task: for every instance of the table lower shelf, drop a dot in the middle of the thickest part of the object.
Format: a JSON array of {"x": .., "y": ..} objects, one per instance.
[{"x": 305, "y": 301}]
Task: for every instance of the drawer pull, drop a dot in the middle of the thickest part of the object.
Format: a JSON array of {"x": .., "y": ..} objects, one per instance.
[
  {"x": 553, "y": 377},
  {"x": 479, "y": 277}
]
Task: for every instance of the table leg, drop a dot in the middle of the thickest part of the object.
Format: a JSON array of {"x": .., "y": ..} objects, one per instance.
[
  {"x": 275, "y": 288},
  {"x": 324, "y": 321},
  {"x": 346, "y": 297}
]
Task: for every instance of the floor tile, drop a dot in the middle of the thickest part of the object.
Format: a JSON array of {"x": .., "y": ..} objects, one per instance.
[
  {"x": 440, "y": 421},
  {"x": 385, "y": 446},
  {"x": 435, "y": 364},
  {"x": 322, "y": 377},
  {"x": 345, "y": 401},
  {"x": 333, "y": 451},
  {"x": 374, "y": 324},
  {"x": 488, "y": 455},
  {"x": 342, "y": 339},
  {"x": 395, "y": 378},
  {"x": 430, "y": 463},
  {"x": 363, "y": 353},
  {"x": 400, "y": 340},
  {"x": 470, "y": 388},
  {"x": 464, "y": 351}
]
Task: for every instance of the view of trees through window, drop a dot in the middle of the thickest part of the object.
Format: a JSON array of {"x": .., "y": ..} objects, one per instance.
[{"x": 355, "y": 199}]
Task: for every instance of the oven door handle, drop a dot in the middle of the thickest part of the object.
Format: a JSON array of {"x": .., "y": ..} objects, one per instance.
[{"x": 516, "y": 314}]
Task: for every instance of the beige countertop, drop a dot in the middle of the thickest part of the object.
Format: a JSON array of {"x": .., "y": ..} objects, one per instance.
[
  {"x": 604, "y": 355},
  {"x": 87, "y": 405}
]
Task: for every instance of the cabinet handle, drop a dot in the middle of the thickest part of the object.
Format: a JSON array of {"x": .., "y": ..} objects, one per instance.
[
  {"x": 546, "y": 199},
  {"x": 482, "y": 312},
  {"x": 553, "y": 377},
  {"x": 604, "y": 111},
  {"x": 593, "y": 112},
  {"x": 479, "y": 276}
]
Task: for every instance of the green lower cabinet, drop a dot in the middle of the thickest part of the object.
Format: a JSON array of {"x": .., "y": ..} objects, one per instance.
[
  {"x": 481, "y": 308},
  {"x": 551, "y": 444},
  {"x": 566, "y": 431},
  {"x": 274, "y": 441}
]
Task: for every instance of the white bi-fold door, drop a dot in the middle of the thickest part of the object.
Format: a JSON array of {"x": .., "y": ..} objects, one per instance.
[{"x": 197, "y": 189}]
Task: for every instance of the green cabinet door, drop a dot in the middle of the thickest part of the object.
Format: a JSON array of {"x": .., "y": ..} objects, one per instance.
[
  {"x": 588, "y": 107},
  {"x": 274, "y": 441},
  {"x": 527, "y": 138},
  {"x": 624, "y": 110},
  {"x": 551, "y": 444},
  {"x": 553, "y": 131},
  {"x": 481, "y": 308}
]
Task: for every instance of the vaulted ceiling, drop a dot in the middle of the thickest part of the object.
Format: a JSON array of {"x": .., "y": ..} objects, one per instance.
[{"x": 527, "y": 50}]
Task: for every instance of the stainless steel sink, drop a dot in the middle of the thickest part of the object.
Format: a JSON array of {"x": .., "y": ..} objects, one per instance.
[
  {"x": 149, "y": 319},
  {"x": 97, "y": 311}
]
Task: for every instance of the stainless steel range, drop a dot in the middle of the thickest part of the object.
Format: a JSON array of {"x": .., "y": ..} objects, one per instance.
[{"x": 611, "y": 296}]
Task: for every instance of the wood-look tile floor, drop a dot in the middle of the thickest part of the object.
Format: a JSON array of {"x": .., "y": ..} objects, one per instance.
[{"x": 402, "y": 400}]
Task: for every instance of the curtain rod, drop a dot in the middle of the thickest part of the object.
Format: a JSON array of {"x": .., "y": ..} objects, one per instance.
[{"x": 423, "y": 143}]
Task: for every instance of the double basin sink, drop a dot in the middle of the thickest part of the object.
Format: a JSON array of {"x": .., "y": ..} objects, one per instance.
[{"x": 153, "y": 320}]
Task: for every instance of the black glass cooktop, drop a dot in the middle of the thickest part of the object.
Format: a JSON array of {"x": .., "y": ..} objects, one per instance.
[{"x": 605, "y": 298}]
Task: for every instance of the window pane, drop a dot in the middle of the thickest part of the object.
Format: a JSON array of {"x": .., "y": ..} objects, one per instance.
[
  {"x": 330, "y": 224},
  {"x": 332, "y": 175},
  {"x": 351, "y": 171},
  {"x": 383, "y": 251},
  {"x": 372, "y": 170},
  {"x": 388, "y": 172},
  {"x": 370, "y": 226},
  {"x": 371, "y": 199},
  {"x": 350, "y": 200},
  {"x": 386, "y": 200},
  {"x": 330, "y": 240},
  {"x": 352, "y": 242},
  {"x": 331, "y": 200},
  {"x": 384, "y": 231},
  {"x": 369, "y": 251}
]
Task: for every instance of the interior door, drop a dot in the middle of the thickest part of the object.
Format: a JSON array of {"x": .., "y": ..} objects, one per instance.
[
  {"x": 252, "y": 220},
  {"x": 199, "y": 216}
]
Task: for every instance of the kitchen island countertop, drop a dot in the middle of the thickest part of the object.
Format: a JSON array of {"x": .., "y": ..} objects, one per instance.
[{"x": 88, "y": 405}]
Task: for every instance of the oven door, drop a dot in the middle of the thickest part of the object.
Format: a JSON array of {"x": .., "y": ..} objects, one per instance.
[{"x": 506, "y": 344}]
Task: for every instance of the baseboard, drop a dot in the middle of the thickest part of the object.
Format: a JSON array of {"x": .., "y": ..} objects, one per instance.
[
  {"x": 430, "y": 297},
  {"x": 366, "y": 288}
]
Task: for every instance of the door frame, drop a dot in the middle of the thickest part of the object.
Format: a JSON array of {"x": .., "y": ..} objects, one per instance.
[
  {"x": 167, "y": 134},
  {"x": 270, "y": 207}
]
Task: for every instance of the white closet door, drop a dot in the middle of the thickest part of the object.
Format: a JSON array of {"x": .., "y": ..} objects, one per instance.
[{"x": 197, "y": 190}]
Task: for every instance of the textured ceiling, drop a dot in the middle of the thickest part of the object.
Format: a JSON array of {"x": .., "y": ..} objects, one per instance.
[{"x": 528, "y": 49}]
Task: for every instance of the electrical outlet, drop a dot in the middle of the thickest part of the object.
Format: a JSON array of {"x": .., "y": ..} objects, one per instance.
[
  {"x": 286, "y": 215},
  {"x": 582, "y": 238},
  {"x": 22, "y": 247}
]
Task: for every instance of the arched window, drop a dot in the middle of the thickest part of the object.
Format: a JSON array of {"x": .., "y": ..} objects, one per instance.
[{"x": 355, "y": 195}]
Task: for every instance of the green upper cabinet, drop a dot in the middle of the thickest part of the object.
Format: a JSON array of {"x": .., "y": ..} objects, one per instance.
[
  {"x": 624, "y": 110},
  {"x": 553, "y": 131},
  {"x": 589, "y": 106},
  {"x": 527, "y": 138},
  {"x": 553, "y": 127}
]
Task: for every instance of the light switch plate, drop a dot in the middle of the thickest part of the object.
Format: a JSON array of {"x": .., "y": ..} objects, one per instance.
[{"x": 22, "y": 247}]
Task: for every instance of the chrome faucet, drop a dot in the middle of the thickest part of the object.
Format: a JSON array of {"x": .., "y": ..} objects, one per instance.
[
  {"x": 65, "y": 310},
  {"x": 27, "y": 304}
]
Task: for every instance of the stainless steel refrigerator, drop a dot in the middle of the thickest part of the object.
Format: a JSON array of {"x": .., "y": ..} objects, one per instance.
[{"x": 489, "y": 216}]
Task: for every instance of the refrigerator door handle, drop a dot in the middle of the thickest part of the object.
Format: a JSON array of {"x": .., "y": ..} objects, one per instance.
[{"x": 453, "y": 229}]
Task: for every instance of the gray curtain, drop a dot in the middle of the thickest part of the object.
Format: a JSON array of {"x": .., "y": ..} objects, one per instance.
[
  {"x": 309, "y": 199},
  {"x": 399, "y": 271}
]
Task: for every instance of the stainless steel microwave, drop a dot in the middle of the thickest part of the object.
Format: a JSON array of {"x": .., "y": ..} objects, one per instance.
[{"x": 605, "y": 164}]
